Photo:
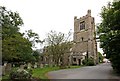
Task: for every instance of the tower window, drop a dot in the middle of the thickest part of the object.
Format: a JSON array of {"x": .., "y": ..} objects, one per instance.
[
  {"x": 82, "y": 25},
  {"x": 82, "y": 38}
]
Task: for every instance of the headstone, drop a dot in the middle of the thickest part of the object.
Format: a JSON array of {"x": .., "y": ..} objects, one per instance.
[
  {"x": 21, "y": 66},
  {"x": 25, "y": 66},
  {"x": 41, "y": 65},
  {"x": 5, "y": 64},
  {"x": 29, "y": 66},
  {"x": 8, "y": 67},
  {"x": 35, "y": 65},
  {"x": 3, "y": 70}
]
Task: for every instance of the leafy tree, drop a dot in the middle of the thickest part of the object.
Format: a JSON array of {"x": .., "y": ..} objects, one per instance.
[
  {"x": 109, "y": 33},
  {"x": 58, "y": 45},
  {"x": 33, "y": 37},
  {"x": 10, "y": 22},
  {"x": 15, "y": 47},
  {"x": 36, "y": 54}
]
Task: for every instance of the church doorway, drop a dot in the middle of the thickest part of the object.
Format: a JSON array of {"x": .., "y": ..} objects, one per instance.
[{"x": 79, "y": 61}]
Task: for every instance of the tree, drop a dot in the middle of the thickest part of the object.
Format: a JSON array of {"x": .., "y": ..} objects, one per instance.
[
  {"x": 109, "y": 33},
  {"x": 15, "y": 47},
  {"x": 33, "y": 37},
  {"x": 58, "y": 45},
  {"x": 36, "y": 54}
]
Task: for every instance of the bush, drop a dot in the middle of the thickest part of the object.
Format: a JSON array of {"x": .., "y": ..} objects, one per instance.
[
  {"x": 84, "y": 62},
  {"x": 88, "y": 62},
  {"x": 100, "y": 57},
  {"x": 115, "y": 63},
  {"x": 20, "y": 74}
]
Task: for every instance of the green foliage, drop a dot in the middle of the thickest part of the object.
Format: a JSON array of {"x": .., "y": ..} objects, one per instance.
[
  {"x": 88, "y": 62},
  {"x": 36, "y": 54},
  {"x": 109, "y": 33},
  {"x": 40, "y": 72},
  {"x": 100, "y": 57},
  {"x": 9, "y": 22},
  {"x": 84, "y": 62},
  {"x": 15, "y": 47},
  {"x": 33, "y": 37},
  {"x": 20, "y": 74},
  {"x": 58, "y": 45}
]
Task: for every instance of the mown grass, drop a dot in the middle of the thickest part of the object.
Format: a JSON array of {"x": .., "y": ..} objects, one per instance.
[
  {"x": 72, "y": 67},
  {"x": 40, "y": 72}
]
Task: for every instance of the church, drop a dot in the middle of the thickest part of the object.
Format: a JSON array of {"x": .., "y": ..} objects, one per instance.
[{"x": 84, "y": 42}]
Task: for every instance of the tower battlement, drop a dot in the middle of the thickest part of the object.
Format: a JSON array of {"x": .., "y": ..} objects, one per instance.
[{"x": 83, "y": 17}]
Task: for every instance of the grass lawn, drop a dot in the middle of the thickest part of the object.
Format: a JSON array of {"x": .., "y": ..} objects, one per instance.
[
  {"x": 72, "y": 67},
  {"x": 41, "y": 72}
]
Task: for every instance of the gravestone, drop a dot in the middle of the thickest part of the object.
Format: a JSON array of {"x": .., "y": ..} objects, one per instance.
[
  {"x": 21, "y": 66},
  {"x": 3, "y": 70},
  {"x": 8, "y": 67},
  {"x": 29, "y": 66},
  {"x": 41, "y": 65},
  {"x": 35, "y": 65}
]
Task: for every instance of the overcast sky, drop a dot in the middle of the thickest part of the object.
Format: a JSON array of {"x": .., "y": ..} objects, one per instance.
[{"x": 44, "y": 15}]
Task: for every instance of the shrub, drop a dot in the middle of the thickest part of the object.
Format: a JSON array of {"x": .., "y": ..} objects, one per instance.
[
  {"x": 88, "y": 62},
  {"x": 20, "y": 74},
  {"x": 84, "y": 62},
  {"x": 115, "y": 63},
  {"x": 100, "y": 57}
]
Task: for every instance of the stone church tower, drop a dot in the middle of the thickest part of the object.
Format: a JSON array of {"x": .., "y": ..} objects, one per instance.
[{"x": 85, "y": 45}]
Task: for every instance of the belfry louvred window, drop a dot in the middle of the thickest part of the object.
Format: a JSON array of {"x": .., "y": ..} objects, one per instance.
[{"x": 82, "y": 25}]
